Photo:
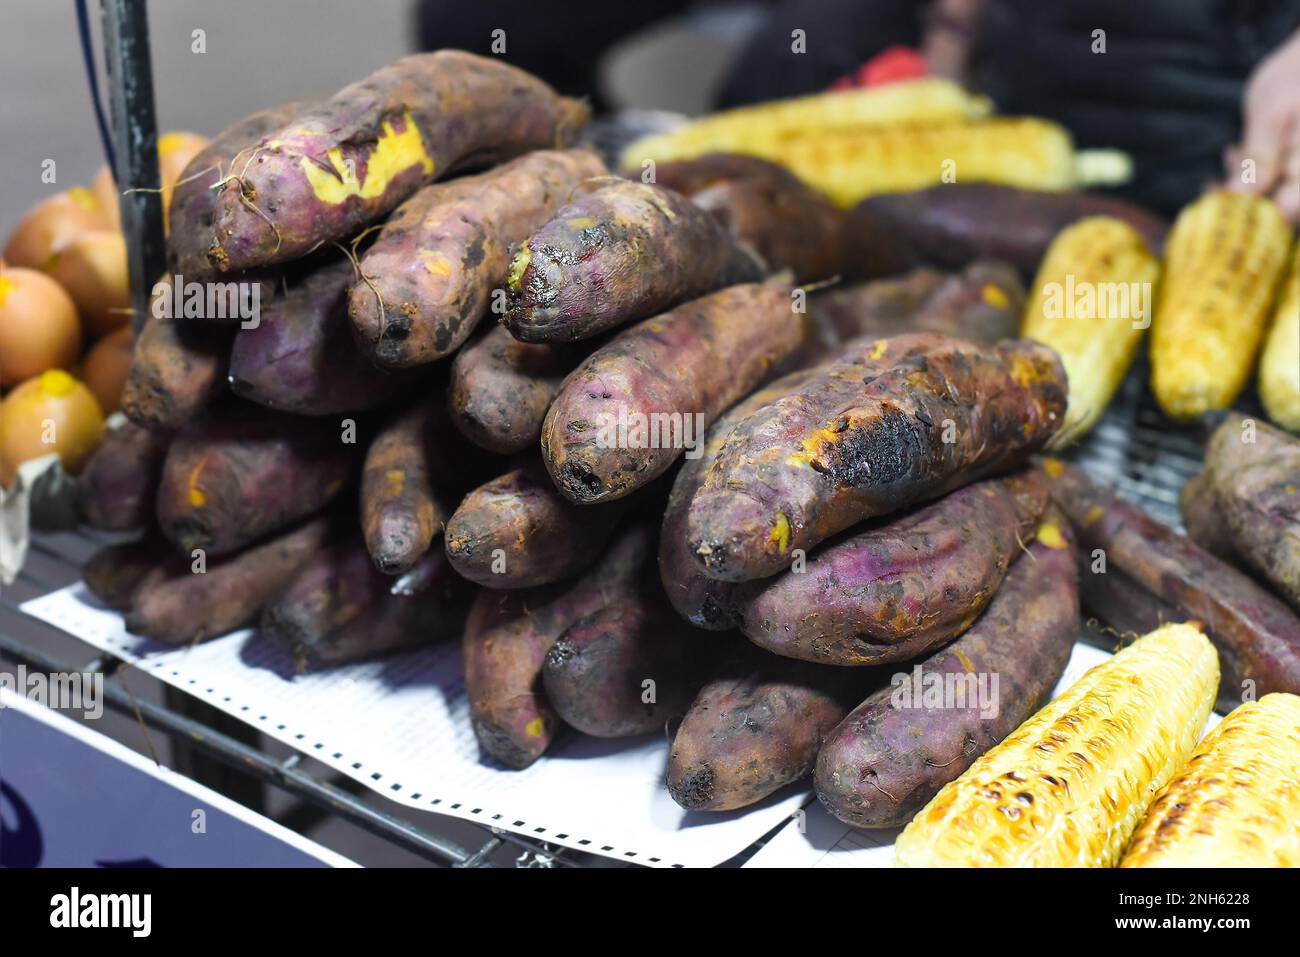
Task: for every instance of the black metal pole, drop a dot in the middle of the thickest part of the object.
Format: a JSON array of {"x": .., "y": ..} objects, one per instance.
[{"x": 135, "y": 144}]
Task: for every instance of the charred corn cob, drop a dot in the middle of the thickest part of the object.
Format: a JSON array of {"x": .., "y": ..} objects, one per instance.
[
  {"x": 1279, "y": 367},
  {"x": 1223, "y": 259},
  {"x": 1234, "y": 804},
  {"x": 1068, "y": 787},
  {"x": 851, "y": 164},
  {"x": 760, "y": 128},
  {"x": 1092, "y": 302}
]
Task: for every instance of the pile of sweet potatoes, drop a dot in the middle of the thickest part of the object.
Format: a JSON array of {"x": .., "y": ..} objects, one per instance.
[{"x": 600, "y": 431}]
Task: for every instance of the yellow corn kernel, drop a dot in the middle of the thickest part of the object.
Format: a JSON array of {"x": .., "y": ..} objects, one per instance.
[
  {"x": 1067, "y": 788},
  {"x": 1092, "y": 302},
  {"x": 758, "y": 129},
  {"x": 1223, "y": 260},
  {"x": 1279, "y": 366},
  {"x": 1234, "y": 803}
]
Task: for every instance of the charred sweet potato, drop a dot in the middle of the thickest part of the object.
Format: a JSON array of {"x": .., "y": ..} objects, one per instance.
[
  {"x": 300, "y": 357},
  {"x": 501, "y": 388},
  {"x": 430, "y": 276},
  {"x": 756, "y": 728},
  {"x": 517, "y": 531},
  {"x": 625, "y": 670},
  {"x": 1257, "y": 635},
  {"x": 621, "y": 252},
  {"x": 182, "y": 606},
  {"x": 340, "y": 608},
  {"x": 1254, "y": 474},
  {"x": 636, "y": 404},
  {"x": 956, "y": 223},
  {"x": 242, "y": 472},
  {"x": 119, "y": 482},
  {"x": 506, "y": 639},
  {"x": 902, "y": 587},
  {"x": 178, "y": 367},
  {"x": 854, "y": 446},
  {"x": 703, "y": 601},
  {"x": 898, "y": 748},
  {"x": 338, "y": 165}
]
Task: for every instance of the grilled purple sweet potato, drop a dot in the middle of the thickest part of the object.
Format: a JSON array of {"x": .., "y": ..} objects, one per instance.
[
  {"x": 621, "y": 252},
  {"x": 634, "y": 405},
  {"x": 897, "y": 749},
  {"x": 430, "y": 275},
  {"x": 342, "y": 163},
  {"x": 852, "y": 446},
  {"x": 507, "y": 636},
  {"x": 902, "y": 587}
]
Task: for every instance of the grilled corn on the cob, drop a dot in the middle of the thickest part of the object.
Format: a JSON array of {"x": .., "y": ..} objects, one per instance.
[
  {"x": 760, "y": 128},
  {"x": 1092, "y": 302},
  {"x": 1279, "y": 366},
  {"x": 1234, "y": 804},
  {"x": 851, "y": 164},
  {"x": 1069, "y": 785},
  {"x": 1223, "y": 259}
]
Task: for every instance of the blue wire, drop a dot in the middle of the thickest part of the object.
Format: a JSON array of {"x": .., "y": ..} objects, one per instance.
[{"x": 88, "y": 55}]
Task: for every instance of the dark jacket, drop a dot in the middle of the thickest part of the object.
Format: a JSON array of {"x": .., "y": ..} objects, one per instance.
[{"x": 1167, "y": 90}]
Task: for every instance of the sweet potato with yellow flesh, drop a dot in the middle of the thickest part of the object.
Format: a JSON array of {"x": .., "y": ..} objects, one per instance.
[
  {"x": 177, "y": 368},
  {"x": 343, "y": 163},
  {"x": 517, "y": 531},
  {"x": 340, "y": 608},
  {"x": 625, "y": 670},
  {"x": 115, "y": 572},
  {"x": 507, "y": 636},
  {"x": 637, "y": 403},
  {"x": 1254, "y": 473},
  {"x": 182, "y": 606},
  {"x": 242, "y": 472},
  {"x": 621, "y": 252},
  {"x": 194, "y": 198},
  {"x": 118, "y": 483},
  {"x": 896, "y": 749},
  {"x": 902, "y": 587},
  {"x": 431, "y": 273},
  {"x": 501, "y": 388},
  {"x": 756, "y": 728},
  {"x": 301, "y": 358},
  {"x": 956, "y": 223},
  {"x": 1256, "y": 634},
  {"x": 703, "y": 601},
  {"x": 853, "y": 446},
  {"x": 406, "y": 485}
]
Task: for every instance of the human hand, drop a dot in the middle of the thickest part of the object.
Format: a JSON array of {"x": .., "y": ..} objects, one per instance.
[{"x": 1267, "y": 160}]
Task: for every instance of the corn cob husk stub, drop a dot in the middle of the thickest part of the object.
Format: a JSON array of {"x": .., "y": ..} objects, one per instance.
[
  {"x": 1068, "y": 787},
  {"x": 1235, "y": 802},
  {"x": 1223, "y": 262}
]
